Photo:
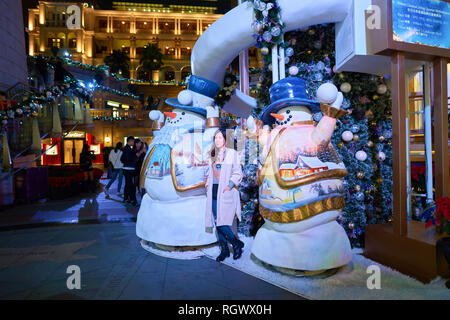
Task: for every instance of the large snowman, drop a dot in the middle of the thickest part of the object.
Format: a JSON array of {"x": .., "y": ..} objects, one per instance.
[
  {"x": 174, "y": 170},
  {"x": 300, "y": 180}
]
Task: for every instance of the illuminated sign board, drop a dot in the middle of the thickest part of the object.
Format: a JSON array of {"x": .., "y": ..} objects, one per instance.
[{"x": 422, "y": 22}]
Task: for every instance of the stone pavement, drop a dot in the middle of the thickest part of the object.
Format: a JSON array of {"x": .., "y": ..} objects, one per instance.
[
  {"x": 85, "y": 208},
  {"x": 33, "y": 265},
  {"x": 98, "y": 235}
]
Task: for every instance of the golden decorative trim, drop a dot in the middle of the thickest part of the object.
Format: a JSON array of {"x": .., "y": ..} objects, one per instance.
[
  {"x": 157, "y": 125},
  {"x": 212, "y": 122},
  {"x": 144, "y": 168},
  {"x": 305, "y": 212},
  {"x": 174, "y": 179},
  {"x": 332, "y": 112},
  {"x": 303, "y": 122}
]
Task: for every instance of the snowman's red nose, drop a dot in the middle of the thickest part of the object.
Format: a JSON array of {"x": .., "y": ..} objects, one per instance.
[
  {"x": 277, "y": 116},
  {"x": 172, "y": 115}
]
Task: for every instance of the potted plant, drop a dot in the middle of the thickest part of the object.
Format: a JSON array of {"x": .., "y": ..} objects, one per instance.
[{"x": 439, "y": 215}]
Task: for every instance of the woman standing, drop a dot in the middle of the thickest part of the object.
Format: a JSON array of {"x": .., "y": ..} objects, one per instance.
[
  {"x": 223, "y": 201},
  {"x": 117, "y": 165},
  {"x": 86, "y": 157}
]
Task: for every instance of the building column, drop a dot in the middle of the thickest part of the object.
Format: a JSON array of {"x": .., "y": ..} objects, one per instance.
[
  {"x": 133, "y": 25},
  {"x": 133, "y": 47},
  {"x": 157, "y": 25},
  {"x": 110, "y": 44},
  {"x": 107, "y": 24},
  {"x": 178, "y": 75},
  {"x": 79, "y": 42},
  {"x": 42, "y": 40},
  {"x": 198, "y": 26},
  {"x": 111, "y": 24},
  {"x": 88, "y": 45},
  {"x": 31, "y": 44},
  {"x": 42, "y": 13},
  {"x": 31, "y": 21}
]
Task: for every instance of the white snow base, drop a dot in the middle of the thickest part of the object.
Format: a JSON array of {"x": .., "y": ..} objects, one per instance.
[{"x": 350, "y": 282}]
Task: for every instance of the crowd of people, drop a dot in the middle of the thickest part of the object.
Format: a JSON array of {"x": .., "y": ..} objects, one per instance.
[{"x": 127, "y": 162}]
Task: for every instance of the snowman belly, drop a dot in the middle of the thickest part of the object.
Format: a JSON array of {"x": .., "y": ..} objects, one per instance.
[{"x": 161, "y": 189}]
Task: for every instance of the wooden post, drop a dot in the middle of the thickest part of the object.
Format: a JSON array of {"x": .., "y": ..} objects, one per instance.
[
  {"x": 441, "y": 127},
  {"x": 399, "y": 155}
]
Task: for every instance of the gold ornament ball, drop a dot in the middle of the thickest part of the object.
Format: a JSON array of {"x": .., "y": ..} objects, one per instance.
[
  {"x": 382, "y": 89},
  {"x": 351, "y": 225},
  {"x": 369, "y": 144},
  {"x": 309, "y": 51},
  {"x": 346, "y": 87},
  {"x": 381, "y": 138},
  {"x": 357, "y": 188},
  {"x": 355, "y": 137},
  {"x": 375, "y": 97},
  {"x": 340, "y": 145},
  {"x": 367, "y": 191},
  {"x": 341, "y": 75},
  {"x": 368, "y": 114},
  {"x": 220, "y": 96},
  {"x": 373, "y": 123},
  {"x": 390, "y": 220},
  {"x": 379, "y": 180},
  {"x": 360, "y": 175}
]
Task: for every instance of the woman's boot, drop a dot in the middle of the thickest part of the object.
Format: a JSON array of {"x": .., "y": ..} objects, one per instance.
[
  {"x": 237, "y": 248},
  {"x": 224, "y": 251}
]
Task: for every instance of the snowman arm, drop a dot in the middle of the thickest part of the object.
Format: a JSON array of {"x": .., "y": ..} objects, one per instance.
[{"x": 325, "y": 128}]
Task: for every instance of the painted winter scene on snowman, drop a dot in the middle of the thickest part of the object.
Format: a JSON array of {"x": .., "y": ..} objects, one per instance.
[{"x": 190, "y": 160}]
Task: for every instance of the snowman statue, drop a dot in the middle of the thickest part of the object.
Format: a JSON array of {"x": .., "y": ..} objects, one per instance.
[
  {"x": 300, "y": 183},
  {"x": 172, "y": 212}
]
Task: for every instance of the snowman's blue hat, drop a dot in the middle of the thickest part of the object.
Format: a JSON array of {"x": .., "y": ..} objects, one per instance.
[
  {"x": 198, "y": 85},
  {"x": 290, "y": 91}
]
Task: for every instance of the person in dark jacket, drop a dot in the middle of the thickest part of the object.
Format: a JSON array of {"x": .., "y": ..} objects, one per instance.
[
  {"x": 140, "y": 154},
  {"x": 129, "y": 160},
  {"x": 86, "y": 157}
]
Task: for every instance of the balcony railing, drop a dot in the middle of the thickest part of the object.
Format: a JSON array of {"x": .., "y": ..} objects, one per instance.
[{"x": 111, "y": 115}]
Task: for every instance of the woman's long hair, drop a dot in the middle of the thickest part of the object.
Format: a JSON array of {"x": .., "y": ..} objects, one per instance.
[
  {"x": 213, "y": 147},
  {"x": 118, "y": 147},
  {"x": 85, "y": 149},
  {"x": 136, "y": 143}
]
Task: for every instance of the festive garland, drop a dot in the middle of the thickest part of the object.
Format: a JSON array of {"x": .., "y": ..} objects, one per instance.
[
  {"x": 224, "y": 95},
  {"x": 268, "y": 28}
]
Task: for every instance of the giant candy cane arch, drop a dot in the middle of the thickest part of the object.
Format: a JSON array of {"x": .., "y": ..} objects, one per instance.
[{"x": 232, "y": 33}]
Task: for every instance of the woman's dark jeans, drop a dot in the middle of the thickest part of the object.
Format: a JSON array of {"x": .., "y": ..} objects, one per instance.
[{"x": 223, "y": 232}]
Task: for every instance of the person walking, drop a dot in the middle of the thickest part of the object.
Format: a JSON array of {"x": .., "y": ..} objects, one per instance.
[
  {"x": 223, "y": 201},
  {"x": 86, "y": 157},
  {"x": 117, "y": 166},
  {"x": 129, "y": 160},
  {"x": 140, "y": 154}
]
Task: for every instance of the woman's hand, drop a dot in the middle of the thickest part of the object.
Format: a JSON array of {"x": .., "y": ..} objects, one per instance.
[{"x": 226, "y": 189}]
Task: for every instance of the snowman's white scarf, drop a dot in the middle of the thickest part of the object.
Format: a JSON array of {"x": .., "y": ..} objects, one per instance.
[{"x": 170, "y": 135}]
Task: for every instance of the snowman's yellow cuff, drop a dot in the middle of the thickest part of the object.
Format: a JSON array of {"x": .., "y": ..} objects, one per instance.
[
  {"x": 156, "y": 125},
  {"x": 212, "y": 122},
  {"x": 331, "y": 111}
]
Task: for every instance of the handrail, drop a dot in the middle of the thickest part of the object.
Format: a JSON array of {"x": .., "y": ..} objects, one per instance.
[
  {"x": 42, "y": 153},
  {"x": 27, "y": 148}
]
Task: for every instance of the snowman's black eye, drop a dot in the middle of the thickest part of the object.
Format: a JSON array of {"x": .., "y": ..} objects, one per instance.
[
  {"x": 183, "y": 113},
  {"x": 288, "y": 111}
]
